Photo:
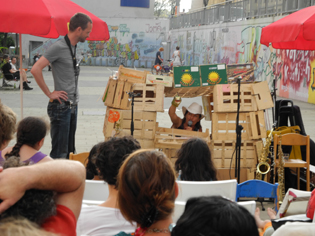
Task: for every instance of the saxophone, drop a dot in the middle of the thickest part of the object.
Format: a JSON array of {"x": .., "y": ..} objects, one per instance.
[
  {"x": 263, "y": 166},
  {"x": 281, "y": 172}
]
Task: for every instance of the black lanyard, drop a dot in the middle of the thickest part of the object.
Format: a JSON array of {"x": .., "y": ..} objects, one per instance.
[{"x": 74, "y": 60}]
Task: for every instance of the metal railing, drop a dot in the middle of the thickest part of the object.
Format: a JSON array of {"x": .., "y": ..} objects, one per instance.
[{"x": 230, "y": 11}]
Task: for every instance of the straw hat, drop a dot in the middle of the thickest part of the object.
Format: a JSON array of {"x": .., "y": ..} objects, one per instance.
[{"x": 194, "y": 108}]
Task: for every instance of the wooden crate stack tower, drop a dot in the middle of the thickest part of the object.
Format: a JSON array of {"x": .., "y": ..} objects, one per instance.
[
  {"x": 149, "y": 101},
  {"x": 222, "y": 111}
]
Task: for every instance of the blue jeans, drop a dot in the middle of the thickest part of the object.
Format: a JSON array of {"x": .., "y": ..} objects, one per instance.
[{"x": 63, "y": 124}]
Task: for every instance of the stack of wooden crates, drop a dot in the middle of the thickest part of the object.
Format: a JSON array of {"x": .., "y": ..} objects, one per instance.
[
  {"x": 222, "y": 111},
  {"x": 149, "y": 101}
]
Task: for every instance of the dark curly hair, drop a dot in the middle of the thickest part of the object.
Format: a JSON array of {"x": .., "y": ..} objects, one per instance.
[
  {"x": 30, "y": 131},
  {"x": 111, "y": 154},
  {"x": 90, "y": 160},
  {"x": 215, "y": 216},
  {"x": 194, "y": 161},
  {"x": 36, "y": 205}
]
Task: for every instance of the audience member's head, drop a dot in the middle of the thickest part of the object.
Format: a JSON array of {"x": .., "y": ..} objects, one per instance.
[
  {"x": 111, "y": 154},
  {"x": 146, "y": 188},
  {"x": 215, "y": 216},
  {"x": 31, "y": 131},
  {"x": 194, "y": 161},
  {"x": 7, "y": 125},
  {"x": 36, "y": 205},
  {"x": 91, "y": 171},
  {"x": 21, "y": 227}
]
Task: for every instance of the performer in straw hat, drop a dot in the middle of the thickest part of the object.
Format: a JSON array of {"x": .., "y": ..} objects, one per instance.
[{"x": 192, "y": 116}]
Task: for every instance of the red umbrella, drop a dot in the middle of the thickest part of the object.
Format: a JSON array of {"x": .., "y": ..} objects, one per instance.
[
  {"x": 44, "y": 18},
  {"x": 295, "y": 31}
]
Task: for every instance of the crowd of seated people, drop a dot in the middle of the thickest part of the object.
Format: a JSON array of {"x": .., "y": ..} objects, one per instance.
[{"x": 46, "y": 198}]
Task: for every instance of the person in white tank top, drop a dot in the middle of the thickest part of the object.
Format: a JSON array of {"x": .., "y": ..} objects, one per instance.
[{"x": 176, "y": 56}]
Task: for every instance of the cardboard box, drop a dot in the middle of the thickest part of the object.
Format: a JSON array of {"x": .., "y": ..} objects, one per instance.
[
  {"x": 186, "y": 76},
  {"x": 213, "y": 74},
  {"x": 167, "y": 81}
]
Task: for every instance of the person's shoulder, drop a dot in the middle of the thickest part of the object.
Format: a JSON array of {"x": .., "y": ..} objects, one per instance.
[{"x": 61, "y": 43}]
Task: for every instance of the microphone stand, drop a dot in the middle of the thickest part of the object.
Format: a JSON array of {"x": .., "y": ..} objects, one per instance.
[
  {"x": 238, "y": 135},
  {"x": 132, "y": 95}
]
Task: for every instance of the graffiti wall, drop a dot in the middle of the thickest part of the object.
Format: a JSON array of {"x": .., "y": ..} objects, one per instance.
[
  {"x": 133, "y": 43},
  {"x": 239, "y": 42}
]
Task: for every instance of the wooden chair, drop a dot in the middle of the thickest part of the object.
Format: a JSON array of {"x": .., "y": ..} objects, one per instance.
[
  {"x": 188, "y": 189},
  {"x": 294, "y": 139},
  {"x": 81, "y": 157}
]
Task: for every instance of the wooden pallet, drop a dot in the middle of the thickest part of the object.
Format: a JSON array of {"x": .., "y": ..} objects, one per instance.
[
  {"x": 174, "y": 138},
  {"x": 226, "y": 98},
  {"x": 115, "y": 94},
  {"x": 151, "y": 97},
  {"x": 131, "y": 75},
  {"x": 222, "y": 151},
  {"x": 224, "y": 125},
  {"x": 144, "y": 124},
  {"x": 188, "y": 92}
]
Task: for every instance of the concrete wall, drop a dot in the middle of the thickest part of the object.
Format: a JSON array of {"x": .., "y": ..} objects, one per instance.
[
  {"x": 133, "y": 42},
  {"x": 239, "y": 42}
]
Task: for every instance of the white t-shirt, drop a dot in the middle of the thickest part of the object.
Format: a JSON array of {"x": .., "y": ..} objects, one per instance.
[{"x": 105, "y": 221}]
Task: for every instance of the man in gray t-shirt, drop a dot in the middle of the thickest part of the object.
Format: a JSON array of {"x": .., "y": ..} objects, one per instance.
[{"x": 62, "y": 106}]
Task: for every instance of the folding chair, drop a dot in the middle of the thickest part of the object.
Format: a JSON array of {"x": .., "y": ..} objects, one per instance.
[{"x": 81, "y": 157}]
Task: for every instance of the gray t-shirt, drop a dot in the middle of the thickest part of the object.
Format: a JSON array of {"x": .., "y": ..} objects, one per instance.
[{"x": 61, "y": 62}]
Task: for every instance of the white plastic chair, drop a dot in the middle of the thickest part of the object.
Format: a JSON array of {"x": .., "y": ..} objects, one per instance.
[
  {"x": 95, "y": 190},
  {"x": 224, "y": 188},
  {"x": 249, "y": 205}
]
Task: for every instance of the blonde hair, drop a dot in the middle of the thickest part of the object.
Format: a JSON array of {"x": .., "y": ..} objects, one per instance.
[
  {"x": 7, "y": 124},
  {"x": 146, "y": 187},
  {"x": 21, "y": 227}
]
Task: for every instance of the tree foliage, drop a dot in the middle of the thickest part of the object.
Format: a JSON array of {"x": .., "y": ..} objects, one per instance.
[
  {"x": 163, "y": 8},
  {"x": 6, "y": 41}
]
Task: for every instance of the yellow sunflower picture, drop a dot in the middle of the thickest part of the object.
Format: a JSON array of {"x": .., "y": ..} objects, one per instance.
[{"x": 186, "y": 78}]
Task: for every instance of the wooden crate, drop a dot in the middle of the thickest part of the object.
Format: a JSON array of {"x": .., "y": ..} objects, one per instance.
[
  {"x": 262, "y": 95},
  {"x": 115, "y": 94},
  {"x": 167, "y": 81},
  {"x": 151, "y": 97},
  {"x": 226, "y": 98},
  {"x": 131, "y": 75},
  {"x": 188, "y": 92},
  {"x": 227, "y": 173},
  {"x": 146, "y": 143},
  {"x": 224, "y": 125},
  {"x": 144, "y": 124},
  {"x": 207, "y": 102},
  {"x": 222, "y": 151},
  {"x": 174, "y": 138}
]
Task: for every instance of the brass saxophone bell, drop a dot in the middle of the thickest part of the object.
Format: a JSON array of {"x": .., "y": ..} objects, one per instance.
[{"x": 263, "y": 168}]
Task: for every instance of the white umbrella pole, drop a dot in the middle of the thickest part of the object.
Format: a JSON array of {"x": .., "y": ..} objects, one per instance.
[{"x": 21, "y": 80}]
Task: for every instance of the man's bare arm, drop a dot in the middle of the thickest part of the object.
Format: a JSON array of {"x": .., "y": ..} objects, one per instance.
[
  {"x": 37, "y": 72},
  {"x": 65, "y": 177},
  {"x": 174, "y": 118}
]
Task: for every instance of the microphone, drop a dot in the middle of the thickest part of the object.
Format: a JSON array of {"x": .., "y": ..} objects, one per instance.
[{"x": 190, "y": 123}]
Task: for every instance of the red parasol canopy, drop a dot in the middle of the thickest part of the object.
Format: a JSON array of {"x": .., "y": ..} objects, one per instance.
[
  {"x": 45, "y": 18},
  {"x": 295, "y": 31}
]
